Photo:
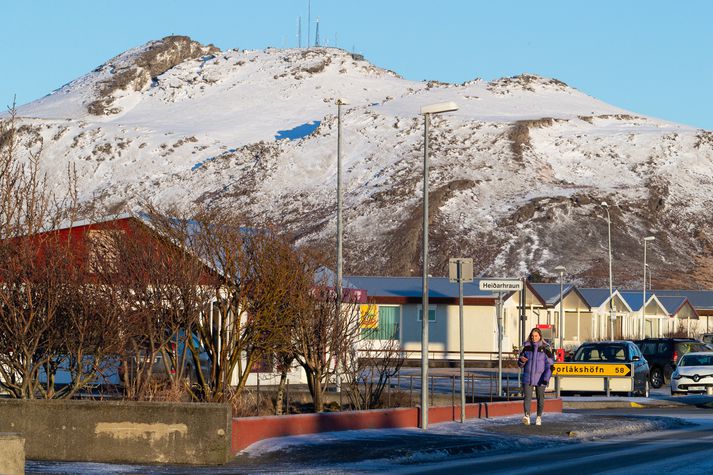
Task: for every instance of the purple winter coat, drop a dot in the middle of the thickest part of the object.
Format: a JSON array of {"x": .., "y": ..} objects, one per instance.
[{"x": 538, "y": 368}]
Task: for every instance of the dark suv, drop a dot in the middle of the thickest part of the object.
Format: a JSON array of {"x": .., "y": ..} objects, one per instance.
[{"x": 663, "y": 354}]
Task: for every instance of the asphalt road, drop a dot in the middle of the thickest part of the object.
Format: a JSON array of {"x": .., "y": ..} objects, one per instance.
[{"x": 687, "y": 449}]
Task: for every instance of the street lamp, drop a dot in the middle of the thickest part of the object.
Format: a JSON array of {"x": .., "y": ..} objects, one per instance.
[
  {"x": 427, "y": 111},
  {"x": 560, "y": 325},
  {"x": 561, "y": 270},
  {"x": 648, "y": 268},
  {"x": 612, "y": 317},
  {"x": 340, "y": 103},
  {"x": 643, "y": 295}
]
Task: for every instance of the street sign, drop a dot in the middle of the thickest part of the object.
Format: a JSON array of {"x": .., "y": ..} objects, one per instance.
[
  {"x": 612, "y": 370},
  {"x": 369, "y": 316},
  {"x": 466, "y": 269},
  {"x": 501, "y": 285}
]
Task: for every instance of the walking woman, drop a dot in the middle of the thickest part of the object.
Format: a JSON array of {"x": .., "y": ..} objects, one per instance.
[{"x": 536, "y": 360}]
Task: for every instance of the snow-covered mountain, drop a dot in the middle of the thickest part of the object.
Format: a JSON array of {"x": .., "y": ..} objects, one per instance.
[{"x": 517, "y": 173}]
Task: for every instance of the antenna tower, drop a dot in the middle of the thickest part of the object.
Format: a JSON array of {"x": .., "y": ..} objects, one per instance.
[
  {"x": 299, "y": 32},
  {"x": 316, "y": 34},
  {"x": 309, "y": 21}
]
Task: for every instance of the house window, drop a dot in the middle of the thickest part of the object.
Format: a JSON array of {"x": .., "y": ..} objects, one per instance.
[
  {"x": 384, "y": 323},
  {"x": 431, "y": 313}
]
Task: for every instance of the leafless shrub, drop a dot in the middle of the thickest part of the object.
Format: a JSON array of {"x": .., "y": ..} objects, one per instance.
[
  {"x": 679, "y": 331},
  {"x": 157, "y": 287},
  {"x": 38, "y": 273},
  {"x": 369, "y": 369},
  {"x": 326, "y": 330}
]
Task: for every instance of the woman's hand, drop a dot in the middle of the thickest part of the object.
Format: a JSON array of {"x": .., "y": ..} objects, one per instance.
[{"x": 523, "y": 359}]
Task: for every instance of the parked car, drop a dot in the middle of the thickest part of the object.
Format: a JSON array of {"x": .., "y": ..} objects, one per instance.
[
  {"x": 617, "y": 352},
  {"x": 177, "y": 352},
  {"x": 100, "y": 375},
  {"x": 663, "y": 354},
  {"x": 693, "y": 374}
]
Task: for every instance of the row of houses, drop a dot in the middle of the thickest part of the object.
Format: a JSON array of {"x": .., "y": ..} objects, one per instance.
[
  {"x": 395, "y": 310},
  {"x": 587, "y": 314}
]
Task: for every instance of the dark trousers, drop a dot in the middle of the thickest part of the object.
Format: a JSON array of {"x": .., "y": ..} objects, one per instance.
[{"x": 539, "y": 393}]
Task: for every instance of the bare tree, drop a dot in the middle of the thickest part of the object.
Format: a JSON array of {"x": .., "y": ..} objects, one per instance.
[
  {"x": 158, "y": 288},
  {"x": 34, "y": 263},
  {"x": 30, "y": 299},
  {"x": 246, "y": 304},
  {"x": 369, "y": 369},
  {"x": 283, "y": 365},
  {"x": 325, "y": 332}
]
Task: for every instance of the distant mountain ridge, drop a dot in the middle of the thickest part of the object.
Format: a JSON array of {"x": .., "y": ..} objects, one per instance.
[{"x": 517, "y": 173}]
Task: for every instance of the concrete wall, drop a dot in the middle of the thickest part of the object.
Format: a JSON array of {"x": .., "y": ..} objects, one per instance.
[
  {"x": 130, "y": 432},
  {"x": 12, "y": 454},
  {"x": 248, "y": 430}
]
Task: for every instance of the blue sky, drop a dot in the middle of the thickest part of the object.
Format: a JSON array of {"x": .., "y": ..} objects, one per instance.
[{"x": 652, "y": 57}]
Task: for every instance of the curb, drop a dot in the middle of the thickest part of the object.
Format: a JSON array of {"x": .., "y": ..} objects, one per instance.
[{"x": 619, "y": 404}]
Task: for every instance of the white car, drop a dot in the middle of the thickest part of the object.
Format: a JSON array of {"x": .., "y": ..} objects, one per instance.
[{"x": 693, "y": 374}]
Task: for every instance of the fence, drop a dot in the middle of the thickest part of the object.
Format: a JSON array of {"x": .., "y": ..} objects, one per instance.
[
  {"x": 402, "y": 390},
  {"x": 449, "y": 356}
]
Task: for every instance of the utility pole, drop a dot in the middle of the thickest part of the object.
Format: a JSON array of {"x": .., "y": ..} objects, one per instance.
[
  {"x": 461, "y": 270},
  {"x": 523, "y": 315}
]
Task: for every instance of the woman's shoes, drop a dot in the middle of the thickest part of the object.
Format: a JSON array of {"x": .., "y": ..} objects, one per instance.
[
  {"x": 538, "y": 421},
  {"x": 526, "y": 420}
]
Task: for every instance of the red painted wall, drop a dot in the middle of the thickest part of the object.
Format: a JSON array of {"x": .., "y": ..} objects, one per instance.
[{"x": 248, "y": 430}]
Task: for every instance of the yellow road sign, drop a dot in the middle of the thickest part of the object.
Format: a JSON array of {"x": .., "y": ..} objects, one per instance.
[
  {"x": 612, "y": 370},
  {"x": 369, "y": 317}
]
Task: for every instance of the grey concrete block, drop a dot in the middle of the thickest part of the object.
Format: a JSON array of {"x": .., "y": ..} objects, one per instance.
[
  {"x": 121, "y": 431},
  {"x": 12, "y": 454}
]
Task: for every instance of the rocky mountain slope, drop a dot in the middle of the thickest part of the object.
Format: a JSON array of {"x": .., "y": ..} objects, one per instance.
[{"x": 517, "y": 173}]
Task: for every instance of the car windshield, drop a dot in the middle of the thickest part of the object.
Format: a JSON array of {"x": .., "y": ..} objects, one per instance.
[
  {"x": 689, "y": 346},
  {"x": 697, "y": 360},
  {"x": 610, "y": 352}
]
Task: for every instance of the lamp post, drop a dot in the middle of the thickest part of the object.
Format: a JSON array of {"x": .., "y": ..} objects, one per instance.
[
  {"x": 648, "y": 269},
  {"x": 340, "y": 103},
  {"x": 612, "y": 317},
  {"x": 560, "y": 330},
  {"x": 642, "y": 331},
  {"x": 560, "y": 325},
  {"x": 427, "y": 111}
]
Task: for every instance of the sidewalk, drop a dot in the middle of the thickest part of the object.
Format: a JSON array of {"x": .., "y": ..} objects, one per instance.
[
  {"x": 614, "y": 402},
  {"x": 383, "y": 450}
]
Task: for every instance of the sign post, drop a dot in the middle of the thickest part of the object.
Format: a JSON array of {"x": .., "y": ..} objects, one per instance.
[
  {"x": 616, "y": 370},
  {"x": 500, "y": 286},
  {"x": 585, "y": 370},
  {"x": 461, "y": 270}
]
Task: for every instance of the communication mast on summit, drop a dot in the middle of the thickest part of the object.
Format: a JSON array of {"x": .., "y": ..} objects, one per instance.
[
  {"x": 299, "y": 32},
  {"x": 316, "y": 34}
]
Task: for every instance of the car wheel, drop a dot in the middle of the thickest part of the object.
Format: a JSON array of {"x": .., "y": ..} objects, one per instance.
[{"x": 656, "y": 378}]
